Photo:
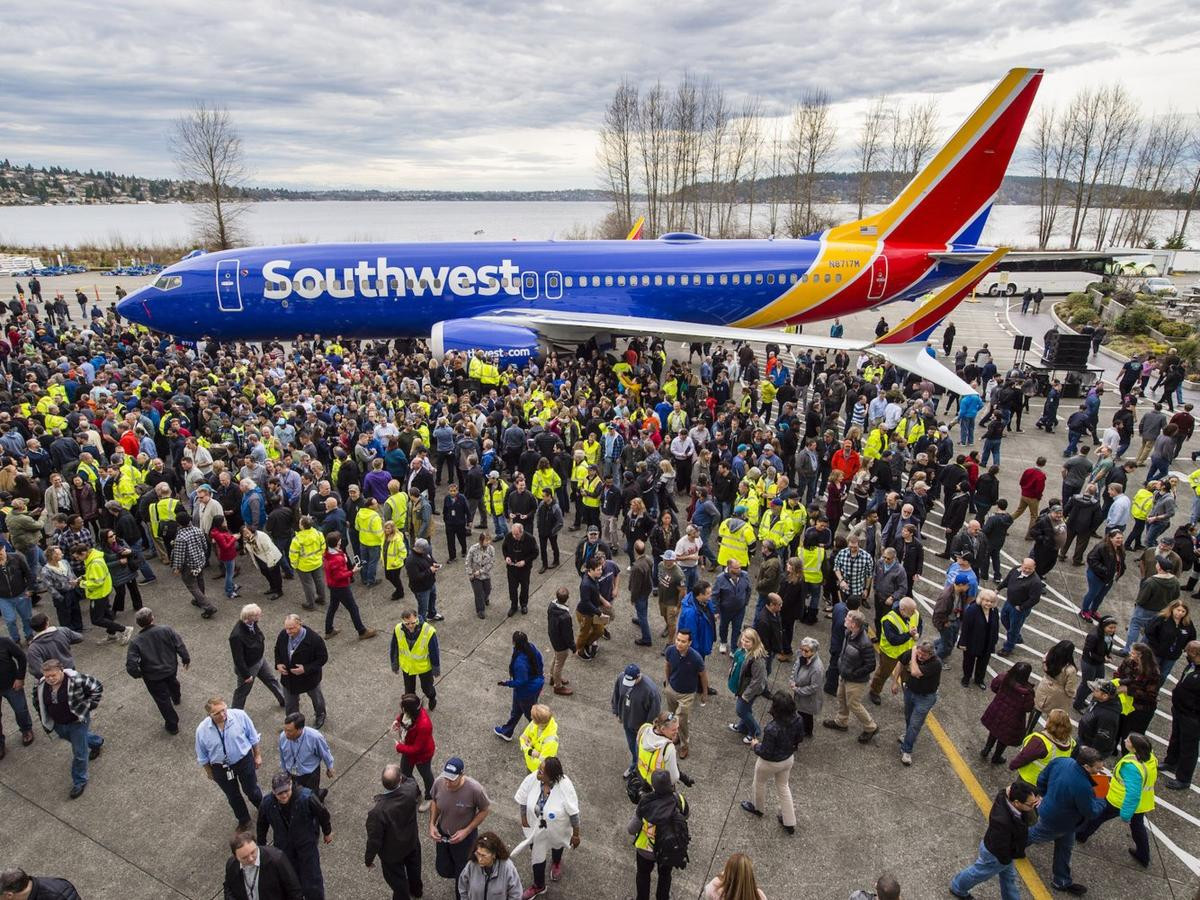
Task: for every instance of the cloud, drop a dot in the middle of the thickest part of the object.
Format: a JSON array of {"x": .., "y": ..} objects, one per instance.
[{"x": 483, "y": 93}]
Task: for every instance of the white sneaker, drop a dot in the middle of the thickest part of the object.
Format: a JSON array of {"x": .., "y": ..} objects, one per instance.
[
  {"x": 127, "y": 635},
  {"x": 906, "y": 758},
  {"x": 424, "y": 807},
  {"x": 722, "y": 649}
]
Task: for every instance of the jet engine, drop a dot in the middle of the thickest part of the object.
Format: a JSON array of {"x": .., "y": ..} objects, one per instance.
[{"x": 505, "y": 344}]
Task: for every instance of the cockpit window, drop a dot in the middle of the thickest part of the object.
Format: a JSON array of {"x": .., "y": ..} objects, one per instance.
[{"x": 168, "y": 282}]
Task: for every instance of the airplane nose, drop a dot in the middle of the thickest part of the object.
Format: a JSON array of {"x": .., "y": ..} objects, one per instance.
[{"x": 135, "y": 308}]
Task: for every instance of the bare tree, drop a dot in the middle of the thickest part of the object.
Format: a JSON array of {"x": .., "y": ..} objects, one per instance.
[
  {"x": 809, "y": 145},
  {"x": 777, "y": 166},
  {"x": 870, "y": 148},
  {"x": 1103, "y": 123},
  {"x": 1054, "y": 153},
  {"x": 652, "y": 142},
  {"x": 208, "y": 151},
  {"x": 1179, "y": 239},
  {"x": 741, "y": 166},
  {"x": 616, "y": 149},
  {"x": 914, "y": 135},
  {"x": 1154, "y": 169}
]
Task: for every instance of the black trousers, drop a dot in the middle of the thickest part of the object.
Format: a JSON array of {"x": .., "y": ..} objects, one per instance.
[
  {"x": 273, "y": 575},
  {"x": 306, "y": 860},
  {"x": 550, "y": 540},
  {"x": 974, "y": 668},
  {"x": 427, "y": 688},
  {"x": 1182, "y": 749},
  {"x": 456, "y": 535},
  {"x": 101, "y": 615},
  {"x": 244, "y": 781},
  {"x": 395, "y": 578},
  {"x": 165, "y": 692},
  {"x": 403, "y": 875},
  {"x": 645, "y": 866},
  {"x": 518, "y": 587}
]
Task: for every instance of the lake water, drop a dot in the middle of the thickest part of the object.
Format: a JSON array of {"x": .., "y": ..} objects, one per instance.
[{"x": 283, "y": 222}]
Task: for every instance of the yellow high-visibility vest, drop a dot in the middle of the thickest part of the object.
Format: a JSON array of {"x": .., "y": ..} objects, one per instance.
[
  {"x": 537, "y": 743},
  {"x": 395, "y": 552},
  {"x": 1116, "y": 785},
  {"x": 307, "y": 552},
  {"x": 734, "y": 544},
  {"x": 813, "y": 559},
  {"x": 1143, "y": 500},
  {"x": 494, "y": 498},
  {"x": 1030, "y": 771},
  {"x": 369, "y": 525},
  {"x": 397, "y": 509},
  {"x": 896, "y": 650},
  {"x": 96, "y": 581},
  {"x": 162, "y": 511},
  {"x": 414, "y": 660}
]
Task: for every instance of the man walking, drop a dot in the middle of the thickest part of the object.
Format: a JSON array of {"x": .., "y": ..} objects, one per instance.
[
  {"x": 685, "y": 680},
  {"x": 1004, "y": 842},
  {"x": 459, "y": 806},
  {"x": 392, "y": 835},
  {"x": 154, "y": 656},
  {"x": 247, "y": 645},
  {"x": 227, "y": 748},
  {"x": 13, "y": 666},
  {"x": 635, "y": 701},
  {"x": 923, "y": 675},
  {"x": 519, "y": 550},
  {"x": 856, "y": 662},
  {"x": 64, "y": 700},
  {"x": 259, "y": 873},
  {"x": 302, "y": 750},
  {"x": 1033, "y": 485},
  {"x": 1185, "y": 722},
  {"x": 294, "y": 817},
  {"x": 300, "y": 656},
  {"x": 414, "y": 651},
  {"x": 1068, "y": 802},
  {"x": 189, "y": 553},
  {"x": 560, "y": 629},
  {"x": 1023, "y": 589}
]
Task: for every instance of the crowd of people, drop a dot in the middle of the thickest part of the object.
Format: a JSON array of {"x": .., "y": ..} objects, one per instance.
[{"x": 748, "y": 497}]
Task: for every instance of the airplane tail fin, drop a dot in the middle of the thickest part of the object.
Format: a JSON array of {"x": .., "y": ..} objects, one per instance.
[
  {"x": 918, "y": 325},
  {"x": 948, "y": 201},
  {"x": 635, "y": 233}
]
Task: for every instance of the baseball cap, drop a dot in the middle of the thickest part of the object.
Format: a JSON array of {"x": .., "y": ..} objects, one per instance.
[
  {"x": 281, "y": 783},
  {"x": 1103, "y": 684},
  {"x": 454, "y": 767},
  {"x": 493, "y": 475},
  {"x": 962, "y": 578},
  {"x": 668, "y": 555},
  {"x": 742, "y": 447},
  {"x": 631, "y": 674},
  {"x": 592, "y": 529}
]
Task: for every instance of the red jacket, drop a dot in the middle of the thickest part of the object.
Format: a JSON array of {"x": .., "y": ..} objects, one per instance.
[
  {"x": 337, "y": 570},
  {"x": 1033, "y": 483},
  {"x": 226, "y": 542},
  {"x": 418, "y": 742},
  {"x": 847, "y": 463}
]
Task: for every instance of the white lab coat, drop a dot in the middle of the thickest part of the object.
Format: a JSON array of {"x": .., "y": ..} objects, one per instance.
[{"x": 560, "y": 806}]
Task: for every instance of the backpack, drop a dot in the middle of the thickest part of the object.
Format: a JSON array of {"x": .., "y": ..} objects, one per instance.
[{"x": 671, "y": 841}]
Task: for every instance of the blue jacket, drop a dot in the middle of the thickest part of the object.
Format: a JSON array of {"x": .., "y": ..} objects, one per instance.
[
  {"x": 699, "y": 622},
  {"x": 730, "y": 597},
  {"x": 1068, "y": 797},
  {"x": 969, "y": 406},
  {"x": 526, "y": 680}
]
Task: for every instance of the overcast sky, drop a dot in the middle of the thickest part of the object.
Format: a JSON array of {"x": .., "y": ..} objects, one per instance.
[{"x": 489, "y": 94}]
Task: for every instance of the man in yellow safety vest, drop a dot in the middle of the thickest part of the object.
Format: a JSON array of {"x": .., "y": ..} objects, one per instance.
[{"x": 414, "y": 653}]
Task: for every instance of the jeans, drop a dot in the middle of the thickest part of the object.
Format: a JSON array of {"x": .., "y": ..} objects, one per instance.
[
  {"x": 947, "y": 638},
  {"x": 991, "y": 447},
  {"x": 522, "y": 705},
  {"x": 16, "y": 699},
  {"x": 641, "y": 607},
  {"x": 499, "y": 527},
  {"x": 812, "y": 596},
  {"x": 1096, "y": 592},
  {"x": 230, "y": 587},
  {"x": 425, "y": 604},
  {"x": 745, "y": 714},
  {"x": 343, "y": 596},
  {"x": 705, "y": 550},
  {"x": 1072, "y": 441},
  {"x": 12, "y": 608},
  {"x": 729, "y": 620},
  {"x": 1158, "y": 468},
  {"x": 1063, "y": 845},
  {"x": 370, "y": 564},
  {"x": 82, "y": 743},
  {"x": 1137, "y": 624},
  {"x": 985, "y": 866},
  {"x": 1088, "y": 671},
  {"x": 631, "y": 743},
  {"x": 235, "y": 780},
  {"x": 1013, "y": 618},
  {"x": 966, "y": 431},
  {"x": 916, "y": 708}
]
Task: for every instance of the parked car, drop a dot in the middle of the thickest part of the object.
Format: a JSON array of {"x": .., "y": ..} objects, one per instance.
[{"x": 1159, "y": 287}]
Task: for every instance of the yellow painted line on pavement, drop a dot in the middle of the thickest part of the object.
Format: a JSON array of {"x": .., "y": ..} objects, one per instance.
[{"x": 1033, "y": 881}]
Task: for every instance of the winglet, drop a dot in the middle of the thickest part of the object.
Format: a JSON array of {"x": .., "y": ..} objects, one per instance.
[
  {"x": 635, "y": 233},
  {"x": 918, "y": 325}
]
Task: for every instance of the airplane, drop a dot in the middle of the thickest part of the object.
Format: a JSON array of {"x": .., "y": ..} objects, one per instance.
[{"x": 511, "y": 299}]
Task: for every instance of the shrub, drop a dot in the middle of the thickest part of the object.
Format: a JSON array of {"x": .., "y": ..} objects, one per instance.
[
  {"x": 1124, "y": 296},
  {"x": 1105, "y": 288},
  {"x": 1138, "y": 319},
  {"x": 1171, "y": 328}
]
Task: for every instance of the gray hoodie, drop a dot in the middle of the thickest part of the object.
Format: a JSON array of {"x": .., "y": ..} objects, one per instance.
[
  {"x": 502, "y": 883},
  {"x": 53, "y": 643}
]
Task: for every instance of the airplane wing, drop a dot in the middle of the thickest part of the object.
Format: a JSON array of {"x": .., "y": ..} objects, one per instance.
[
  {"x": 577, "y": 326},
  {"x": 973, "y": 256}
]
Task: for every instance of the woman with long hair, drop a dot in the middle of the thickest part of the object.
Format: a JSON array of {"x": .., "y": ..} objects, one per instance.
[
  {"x": 776, "y": 753},
  {"x": 394, "y": 553},
  {"x": 1058, "y": 685},
  {"x": 1105, "y": 564},
  {"x": 123, "y": 564},
  {"x": 736, "y": 881},
  {"x": 489, "y": 874},
  {"x": 835, "y": 497},
  {"x": 1004, "y": 717},
  {"x": 808, "y": 678},
  {"x": 1137, "y": 684},
  {"x": 748, "y": 682},
  {"x": 1167, "y": 634},
  {"x": 526, "y": 679},
  {"x": 414, "y": 742}
]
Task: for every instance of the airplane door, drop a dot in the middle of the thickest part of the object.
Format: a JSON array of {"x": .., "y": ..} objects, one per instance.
[
  {"x": 879, "y": 273},
  {"x": 529, "y": 285},
  {"x": 229, "y": 288},
  {"x": 553, "y": 285}
]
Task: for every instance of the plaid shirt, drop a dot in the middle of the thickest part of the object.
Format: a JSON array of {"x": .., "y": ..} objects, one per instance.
[
  {"x": 70, "y": 540},
  {"x": 189, "y": 551},
  {"x": 855, "y": 569},
  {"x": 83, "y": 695}
]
